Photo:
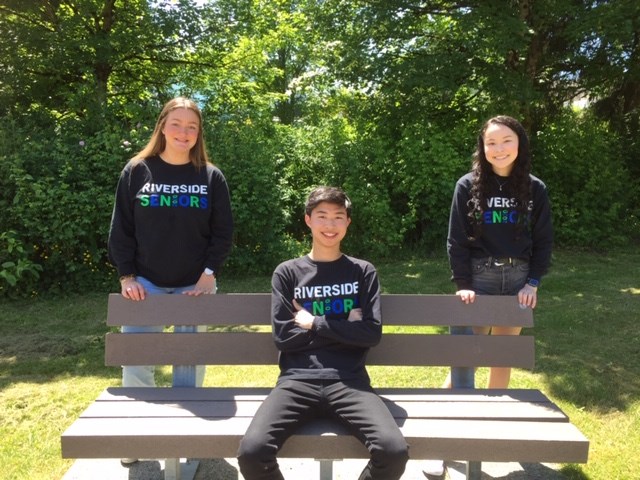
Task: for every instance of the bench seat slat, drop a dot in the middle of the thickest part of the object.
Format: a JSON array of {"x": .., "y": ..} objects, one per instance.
[
  {"x": 254, "y": 309},
  {"x": 241, "y": 348},
  {"x": 194, "y": 437}
]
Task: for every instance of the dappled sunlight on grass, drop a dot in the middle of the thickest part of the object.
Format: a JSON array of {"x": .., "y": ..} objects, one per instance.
[
  {"x": 632, "y": 291},
  {"x": 587, "y": 347},
  {"x": 34, "y": 416},
  {"x": 421, "y": 377}
]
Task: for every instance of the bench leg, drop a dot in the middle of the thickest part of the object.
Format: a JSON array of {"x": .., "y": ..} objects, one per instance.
[
  {"x": 474, "y": 470},
  {"x": 462, "y": 377},
  {"x": 326, "y": 469},
  {"x": 184, "y": 375},
  {"x": 174, "y": 470}
]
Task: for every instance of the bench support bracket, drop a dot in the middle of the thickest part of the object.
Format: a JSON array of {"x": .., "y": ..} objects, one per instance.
[
  {"x": 176, "y": 470},
  {"x": 326, "y": 468},
  {"x": 474, "y": 470}
]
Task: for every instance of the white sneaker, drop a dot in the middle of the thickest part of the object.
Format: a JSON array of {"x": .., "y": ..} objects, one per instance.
[
  {"x": 128, "y": 461},
  {"x": 433, "y": 467}
]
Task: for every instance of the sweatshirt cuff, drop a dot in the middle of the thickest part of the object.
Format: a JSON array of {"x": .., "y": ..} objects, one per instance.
[
  {"x": 463, "y": 284},
  {"x": 126, "y": 269}
]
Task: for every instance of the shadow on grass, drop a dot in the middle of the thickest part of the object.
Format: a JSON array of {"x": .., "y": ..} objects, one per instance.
[
  {"x": 585, "y": 349},
  {"x": 527, "y": 471},
  {"x": 44, "y": 338}
]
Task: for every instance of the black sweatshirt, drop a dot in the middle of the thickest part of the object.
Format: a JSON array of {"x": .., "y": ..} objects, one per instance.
[
  {"x": 499, "y": 237},
  {"x": 170, "y": 222},
  {"x": 334, "y": 348}
]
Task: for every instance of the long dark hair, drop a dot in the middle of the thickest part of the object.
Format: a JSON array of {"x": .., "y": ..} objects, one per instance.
[{"x": 484, "y": 177}]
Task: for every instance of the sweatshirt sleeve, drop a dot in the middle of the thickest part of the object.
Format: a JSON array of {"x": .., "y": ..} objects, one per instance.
[
  {"x": 121, "y": 243},
  {"x": 286, "y": 334},
  {"x": 541, "y": 233},
  {"x": 458, "y": 243},
  {"x": 221, "y": 222}
]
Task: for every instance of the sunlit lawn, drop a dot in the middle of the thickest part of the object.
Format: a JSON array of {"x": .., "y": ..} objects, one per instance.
[{"x": 588, "y": 352}]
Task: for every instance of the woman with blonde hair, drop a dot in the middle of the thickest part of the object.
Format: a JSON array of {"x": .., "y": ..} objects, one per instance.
[{"x": 171, "y": 227}]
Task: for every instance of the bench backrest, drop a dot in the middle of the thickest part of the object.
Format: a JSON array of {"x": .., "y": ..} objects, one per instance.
[{"x": 241, "y": 344}]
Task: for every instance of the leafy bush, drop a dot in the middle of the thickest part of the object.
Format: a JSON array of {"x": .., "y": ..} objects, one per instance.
[
  {"x": 18, "y": 273},
  {"x": 58, "y": 187},
  {"x": 430, "y": 161},
  {"x": 247, "y": 155},
  {"x": 63, "y": 187},
  {"x": 580, "y": 159}
]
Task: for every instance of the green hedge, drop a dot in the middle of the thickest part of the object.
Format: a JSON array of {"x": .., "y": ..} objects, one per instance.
[{"x": 57, "y": 185}]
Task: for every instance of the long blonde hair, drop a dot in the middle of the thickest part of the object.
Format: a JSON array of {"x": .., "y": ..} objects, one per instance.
[{"x": 157, "y": 143}]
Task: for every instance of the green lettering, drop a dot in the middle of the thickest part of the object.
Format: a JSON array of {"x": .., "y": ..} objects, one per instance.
[
  {"x": 318, "y": 308},
  {"x": 348, "y": 305}
]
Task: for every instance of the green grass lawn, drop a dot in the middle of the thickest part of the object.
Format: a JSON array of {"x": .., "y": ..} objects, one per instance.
[{"x": 587, "y": 340}]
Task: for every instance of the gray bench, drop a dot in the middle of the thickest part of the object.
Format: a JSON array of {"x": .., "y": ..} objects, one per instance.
[{"x": 466, "y": 424}]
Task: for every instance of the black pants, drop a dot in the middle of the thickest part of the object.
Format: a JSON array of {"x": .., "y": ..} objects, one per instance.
[{"x": 294, "y": 402}]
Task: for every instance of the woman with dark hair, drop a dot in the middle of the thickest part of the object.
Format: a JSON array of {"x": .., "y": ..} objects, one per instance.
[{"x": 500, "y": 231}]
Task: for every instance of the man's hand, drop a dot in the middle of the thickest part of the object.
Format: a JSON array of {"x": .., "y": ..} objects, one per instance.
[
  {"x": 302, "y": 318},
  {"x": 355, "y": 315}
]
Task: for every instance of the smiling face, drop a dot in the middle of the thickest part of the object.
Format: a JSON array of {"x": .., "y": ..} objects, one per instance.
[
  {"x": 180, "y": 132},
  {"x": 328, "y": 223},
  {"x": 500, "y": 148}
]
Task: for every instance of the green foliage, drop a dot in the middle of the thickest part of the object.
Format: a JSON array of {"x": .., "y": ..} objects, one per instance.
[
  {"x": 245, "y": 155},
  {"x": 430, "y": 161},
  {"x": 62, "y": 187},
  {"x": 580, "y": 159},
  {"x": 381, "y": 98},
  {"x": 17, "y": 272}
]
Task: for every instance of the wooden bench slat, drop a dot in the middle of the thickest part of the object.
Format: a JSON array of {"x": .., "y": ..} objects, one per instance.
[
  {"x": 449, "y": 439},
  {"x": 418, "y": 309},
  {"x": 254, "y": 309},
  {"x": 240, "y": 348},
  {"x": 223, "y": 309}
]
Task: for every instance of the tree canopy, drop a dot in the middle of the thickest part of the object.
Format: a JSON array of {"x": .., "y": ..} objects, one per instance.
[{"x": 381, "y": 97}]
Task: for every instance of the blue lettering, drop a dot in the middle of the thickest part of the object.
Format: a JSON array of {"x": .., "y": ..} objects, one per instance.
[{"x": 337, "y": 306}]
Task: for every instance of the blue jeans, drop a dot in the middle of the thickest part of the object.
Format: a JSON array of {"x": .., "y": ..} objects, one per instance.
[
  {"x": 143, "y": 375},
  {"x": 294, "y": 402},
  {"x": 488, "y": 278}
]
